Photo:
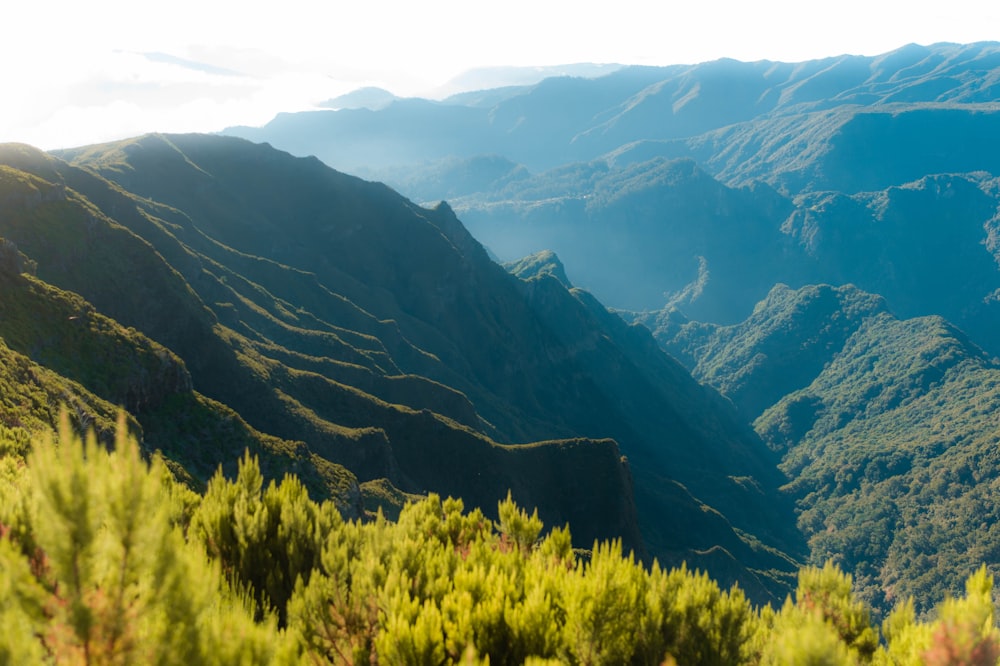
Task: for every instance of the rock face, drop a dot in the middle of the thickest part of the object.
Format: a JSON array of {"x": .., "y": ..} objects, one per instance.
[{"x": 12, "y": 262}]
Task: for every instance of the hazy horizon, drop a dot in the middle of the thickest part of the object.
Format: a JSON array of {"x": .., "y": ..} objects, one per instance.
[{"x": 85, "y": 73}]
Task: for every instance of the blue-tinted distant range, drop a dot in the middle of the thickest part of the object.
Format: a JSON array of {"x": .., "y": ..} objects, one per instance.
[
  {"x": 696, "y": 188},
  {"x": 79, "y": 73}
]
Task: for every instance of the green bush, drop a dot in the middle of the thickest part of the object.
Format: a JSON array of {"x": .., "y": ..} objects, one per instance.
[{"x": 107, "y": 560}]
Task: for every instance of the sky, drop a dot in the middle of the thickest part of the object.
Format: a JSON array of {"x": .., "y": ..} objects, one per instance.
[{"x": 75, "y": 72}]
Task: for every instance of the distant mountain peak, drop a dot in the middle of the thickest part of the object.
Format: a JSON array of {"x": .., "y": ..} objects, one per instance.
[
  {"x": 369, "y": 97},
  {"x": 482, "y": 78},
  {"x": 538, "y": 264}
]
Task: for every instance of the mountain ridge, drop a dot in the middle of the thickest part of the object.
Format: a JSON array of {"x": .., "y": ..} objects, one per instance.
[
  {"x": 788, "y": 137},
  {"x": 373, "y": 297},
  {"x": 649, "y": 103}
]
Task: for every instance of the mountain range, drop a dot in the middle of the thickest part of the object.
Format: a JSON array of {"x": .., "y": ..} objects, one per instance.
[
  {"x": 347, "y": 334},
  {"x": 760, "y": 119},
  {"x": 817, "y": 241},
  {"x": 739, "y": 315}
]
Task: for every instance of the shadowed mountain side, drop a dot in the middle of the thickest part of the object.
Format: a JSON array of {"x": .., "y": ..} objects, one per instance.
[
  {"x": 295, "y": 404},
  {"x": 334, "y": 312},
  {"x": 361, "y": 348},
  {"x": 75, "y": 242},
  {"x": 925, "y": 246},
  {"x": 106, "y": 364},
  {"x": 676, "y": 429},
  {"x": 664, "y": 235},
  {"x": 365, "y": 254},
  {"x": 66, "y": 334},
  {"x": 646, "y": 235},
  {"x": 434, "y": 295},
  {"x": 31, "y": 397}
]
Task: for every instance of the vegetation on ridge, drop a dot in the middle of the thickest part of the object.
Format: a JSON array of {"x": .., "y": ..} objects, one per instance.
[{"x": 277, "y": 347}]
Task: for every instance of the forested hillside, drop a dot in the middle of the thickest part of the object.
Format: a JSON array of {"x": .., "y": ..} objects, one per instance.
[{"x": 887, "y": 429}]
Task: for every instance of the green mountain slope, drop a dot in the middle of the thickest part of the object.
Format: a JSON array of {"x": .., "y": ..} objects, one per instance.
[
  {"x": 62, "y": 352},
  {"x": 229, "y": 366},
  {"x": 886, "y": 427},
  {"x": 327, "y": 310},
  {"x": 31, "y": 396},
  {"x": 781, "y": 347}
]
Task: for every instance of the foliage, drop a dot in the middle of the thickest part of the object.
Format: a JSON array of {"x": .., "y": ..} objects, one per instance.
[
  {"x": 825, "y": 614},
  {"x": 265, "y": 539},
  {"x": 963, "y": 633},
  {"x": 107, "y": 560},
  {"x": 63, "y": 332},
  {"x": 97, "y": 569}
]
